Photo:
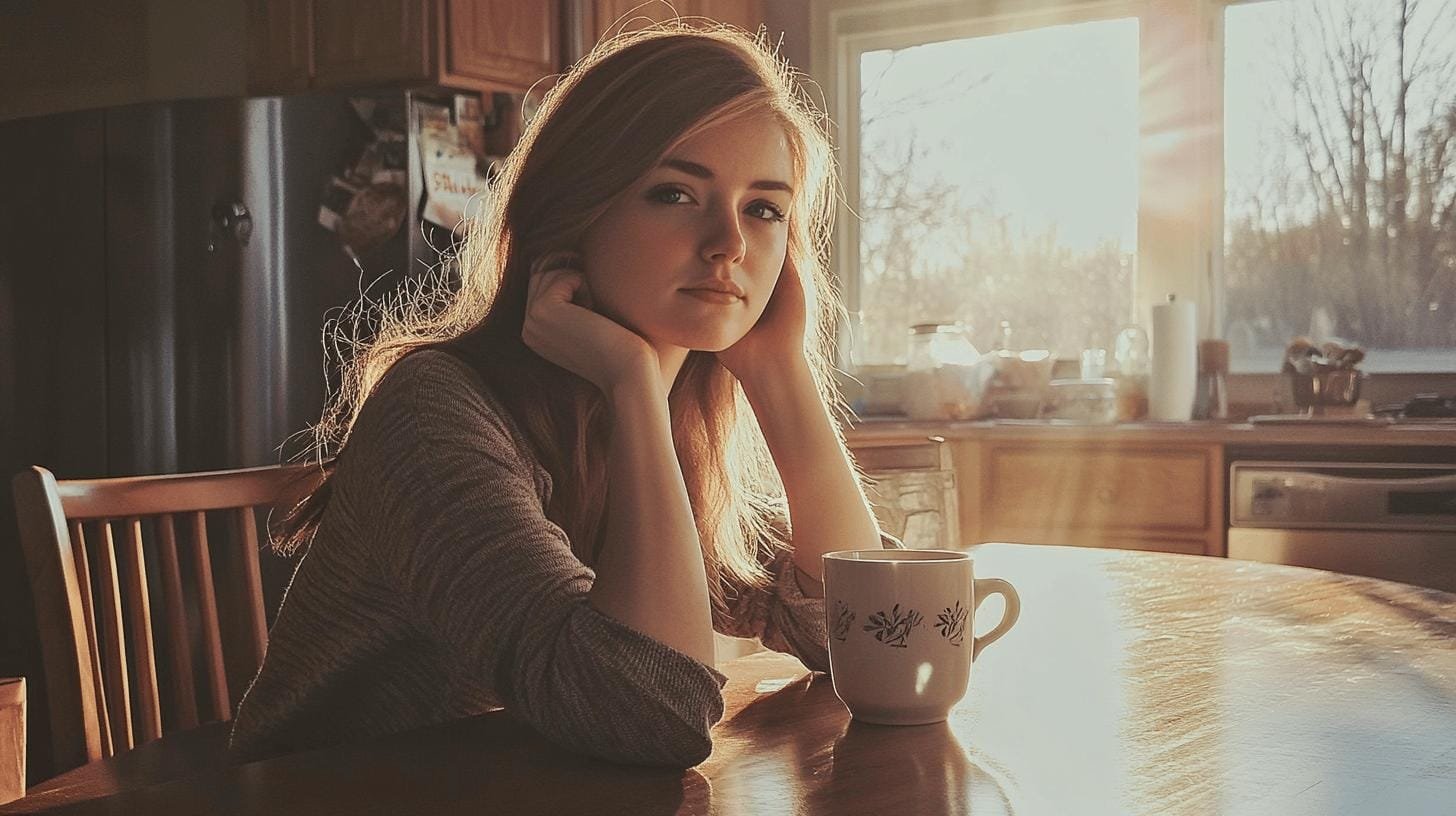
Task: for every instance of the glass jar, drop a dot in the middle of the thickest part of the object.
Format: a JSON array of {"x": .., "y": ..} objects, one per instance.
[
  {"x": 1132, "y": 360},
  {"x": 1087, "y": 400},
  {"x": 943, "y": 377},
  {"x": 935, "y": 344}
]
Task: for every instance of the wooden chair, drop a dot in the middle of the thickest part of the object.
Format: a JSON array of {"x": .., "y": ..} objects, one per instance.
[{"x": 97, "y": 602}]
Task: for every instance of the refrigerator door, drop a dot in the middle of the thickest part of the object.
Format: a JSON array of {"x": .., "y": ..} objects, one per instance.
[{"x": 219, "y": 277}]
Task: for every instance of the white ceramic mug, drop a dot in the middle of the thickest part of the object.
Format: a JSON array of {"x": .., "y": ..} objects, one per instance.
[{"x": 900, "y": 623}]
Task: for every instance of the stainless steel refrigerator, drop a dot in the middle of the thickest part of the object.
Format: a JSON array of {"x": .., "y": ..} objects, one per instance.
[{"x": 164, "y": 285}]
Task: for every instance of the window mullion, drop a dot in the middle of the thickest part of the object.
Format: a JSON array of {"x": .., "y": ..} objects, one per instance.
[{"x": 1179, "y": 166}]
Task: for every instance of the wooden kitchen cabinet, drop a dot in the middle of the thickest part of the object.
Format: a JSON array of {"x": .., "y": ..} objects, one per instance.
[
  {"x": 512, "y": 43},
  {"x": 1165, "y": 497},
  {"x": 278, "y": 46},
  {"x": 606, "y": 15},
  {"x": 486, "y": 45},
  {"x": 365, "y": 42}
]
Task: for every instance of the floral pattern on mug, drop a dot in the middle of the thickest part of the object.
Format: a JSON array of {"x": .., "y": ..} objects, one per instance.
[
  {"x": 893, "y": 628},
  {"x": 952, "y": 624},
  {"x": 843, "y": 619}
]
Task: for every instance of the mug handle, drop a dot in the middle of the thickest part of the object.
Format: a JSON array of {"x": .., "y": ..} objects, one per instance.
[{"x": 985, "y": 587}]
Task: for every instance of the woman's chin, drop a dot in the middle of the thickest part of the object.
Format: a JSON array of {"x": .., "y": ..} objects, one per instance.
[{"x": 709, "y": 341}]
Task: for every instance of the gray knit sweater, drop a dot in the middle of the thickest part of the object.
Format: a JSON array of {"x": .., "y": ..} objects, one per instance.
[{"x": 436, "y": 588}]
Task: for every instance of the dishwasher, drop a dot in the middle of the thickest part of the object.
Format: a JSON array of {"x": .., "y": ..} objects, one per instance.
[{"x": 1396, "y": 522}]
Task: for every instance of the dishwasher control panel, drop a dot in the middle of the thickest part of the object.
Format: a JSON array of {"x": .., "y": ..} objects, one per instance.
[{"x": 1344, "y": 496}]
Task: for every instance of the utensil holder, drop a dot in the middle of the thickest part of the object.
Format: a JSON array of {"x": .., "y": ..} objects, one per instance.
[{"x": 1317, "y": 391}]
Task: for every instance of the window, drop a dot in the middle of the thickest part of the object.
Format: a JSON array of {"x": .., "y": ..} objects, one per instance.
[
  {"x": 995, "y": 169},
  {"x": 1064, "y": 167},
  {"x": 1340, "y": 179}
]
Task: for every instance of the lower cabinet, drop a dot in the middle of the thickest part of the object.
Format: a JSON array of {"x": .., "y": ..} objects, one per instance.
[
  {"x": 1084, "y": 492},
  {"x": 1134, "y": 496}
]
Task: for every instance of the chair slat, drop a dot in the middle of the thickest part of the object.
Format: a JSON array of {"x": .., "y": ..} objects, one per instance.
[
  {"x": 247, "y": 528},
  {"x": 139, "y": 622},
  {"x": 179, "y": 645},
  {"x": 207, "y": 606},
  {"x": 88, "y": 610},
  {"x": 118, "y": 683}
]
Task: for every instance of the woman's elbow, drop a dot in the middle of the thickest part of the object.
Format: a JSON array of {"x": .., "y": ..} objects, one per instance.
[
  {"x": 683, "y": 754},
  {"x": 678, "y": 746}
]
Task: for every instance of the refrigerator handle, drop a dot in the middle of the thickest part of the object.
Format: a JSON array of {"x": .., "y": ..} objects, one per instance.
[{"x": 231, "y": 219}]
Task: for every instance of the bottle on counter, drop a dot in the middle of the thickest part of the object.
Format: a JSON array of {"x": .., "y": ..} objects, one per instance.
[{"x": 1211, "y": 400}]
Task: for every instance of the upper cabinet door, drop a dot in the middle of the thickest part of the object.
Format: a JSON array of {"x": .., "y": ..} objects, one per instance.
[
  {"x": 619, "y": 15},
  {"x": 278, "y": 46},
  {"x": 510, "y": 43},
  {"x": 745, "y": 14},
  {"x": 361, "y": 41},
  {"x": 611, "y": 16}
]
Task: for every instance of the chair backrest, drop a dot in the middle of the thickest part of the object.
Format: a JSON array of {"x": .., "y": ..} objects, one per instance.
[{"x": 99, "y": 581}]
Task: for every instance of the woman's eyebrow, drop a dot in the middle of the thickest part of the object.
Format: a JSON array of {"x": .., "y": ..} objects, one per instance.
[{"x": 699, "y": 171}]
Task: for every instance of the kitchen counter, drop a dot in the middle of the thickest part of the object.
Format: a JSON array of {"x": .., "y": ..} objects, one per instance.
[
  {"x": 1149, "y": 485},
  {"x": 875, "y": 430}
]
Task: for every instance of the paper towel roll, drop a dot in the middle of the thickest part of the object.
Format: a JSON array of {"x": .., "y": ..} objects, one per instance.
[{"x": 1174, "y": 376}]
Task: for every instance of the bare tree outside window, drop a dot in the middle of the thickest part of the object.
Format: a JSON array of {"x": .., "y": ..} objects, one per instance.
[
  {"x": 1340, "y": 156},
  {"x": 998, "y": 182}
]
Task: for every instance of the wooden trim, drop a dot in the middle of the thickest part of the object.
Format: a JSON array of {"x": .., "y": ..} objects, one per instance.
[{"x": 180, "y": 493}]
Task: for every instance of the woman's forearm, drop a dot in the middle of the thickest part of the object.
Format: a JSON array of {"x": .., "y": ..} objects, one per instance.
[
  {"x": 650, "y": 573},
  {"x": 827, "y": 509}
]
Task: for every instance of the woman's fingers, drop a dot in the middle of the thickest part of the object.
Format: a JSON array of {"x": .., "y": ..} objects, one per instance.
[
  {"x": 548, "y": 269},
  {"x": 562, "y": 327},
  {"x": 558, "y": 285}
]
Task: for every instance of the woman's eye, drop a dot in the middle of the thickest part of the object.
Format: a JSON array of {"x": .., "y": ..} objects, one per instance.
[
  {"x": 766, "y": 211},
  {"x": 668, "y": 195}
]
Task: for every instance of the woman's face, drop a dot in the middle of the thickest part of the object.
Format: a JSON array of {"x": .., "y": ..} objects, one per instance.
[{"x": 690, "y": 254}]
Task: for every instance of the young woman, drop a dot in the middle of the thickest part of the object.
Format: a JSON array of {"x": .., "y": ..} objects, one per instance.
[{"x": 612, "y": 438}]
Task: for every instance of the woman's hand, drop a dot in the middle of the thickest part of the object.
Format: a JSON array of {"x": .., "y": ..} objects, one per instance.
[
  {"x": 776, "y": 341},
  {"x": 561, "y": 327}
]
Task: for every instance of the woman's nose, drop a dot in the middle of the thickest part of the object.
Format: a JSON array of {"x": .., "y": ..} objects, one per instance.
[{"x": 724, "y": 240}]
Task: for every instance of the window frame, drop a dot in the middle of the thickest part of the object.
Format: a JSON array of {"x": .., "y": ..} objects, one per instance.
[
  {"x": 1180, "y": 221},
  {"x": 1176, "y": 250}
]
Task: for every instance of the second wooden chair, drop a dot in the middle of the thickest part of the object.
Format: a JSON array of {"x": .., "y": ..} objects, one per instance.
[{"x": 128, "y": 588}]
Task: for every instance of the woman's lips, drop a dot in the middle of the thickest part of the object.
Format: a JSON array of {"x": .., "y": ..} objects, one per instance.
[{"x": 713, "y": 296}]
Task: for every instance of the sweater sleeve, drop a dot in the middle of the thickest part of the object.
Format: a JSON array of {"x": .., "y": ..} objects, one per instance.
[
  {"x": 779, "y": 614},
  {"x": 491, "y": 578}
]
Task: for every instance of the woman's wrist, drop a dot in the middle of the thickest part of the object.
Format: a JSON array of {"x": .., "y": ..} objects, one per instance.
[
  {"x": 636, "y": 382},
  {"x": 773, "y": 388}
]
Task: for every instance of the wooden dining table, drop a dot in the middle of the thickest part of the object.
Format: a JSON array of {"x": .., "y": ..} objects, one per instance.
[{"x": 1134, "y": 683}]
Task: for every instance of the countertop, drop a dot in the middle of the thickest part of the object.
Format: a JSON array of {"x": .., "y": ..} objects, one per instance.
[{"x": 875, "y": 429}]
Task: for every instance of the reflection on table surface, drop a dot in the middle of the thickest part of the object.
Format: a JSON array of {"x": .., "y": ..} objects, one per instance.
[{"x": 1134, "y": 683}]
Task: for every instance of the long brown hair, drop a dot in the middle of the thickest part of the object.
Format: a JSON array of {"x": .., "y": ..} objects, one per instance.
[{"x": 604, "y": 124}]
